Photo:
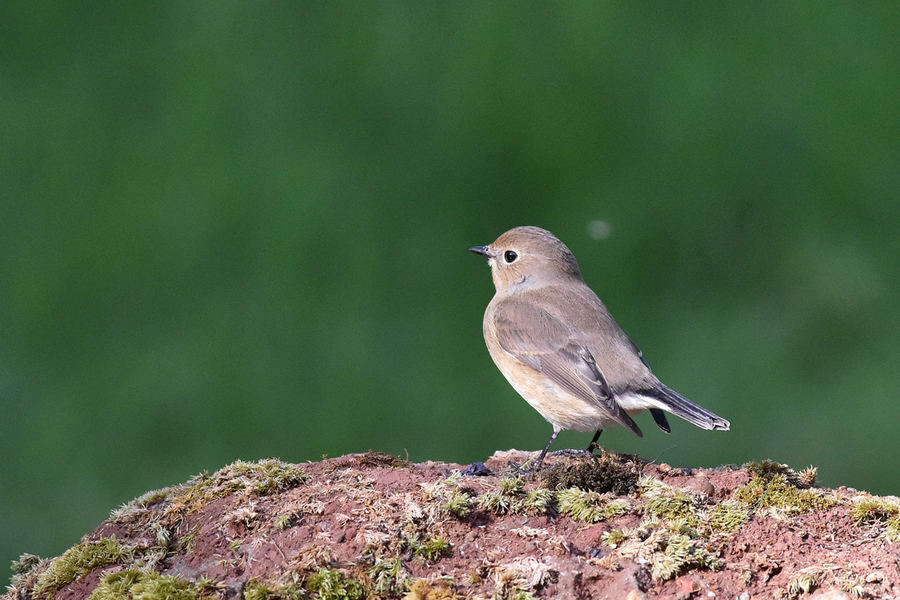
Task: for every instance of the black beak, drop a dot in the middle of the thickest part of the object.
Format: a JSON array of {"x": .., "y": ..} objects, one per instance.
[{"x": 482, "y": 250}]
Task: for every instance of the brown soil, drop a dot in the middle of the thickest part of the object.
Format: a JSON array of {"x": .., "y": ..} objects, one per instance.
[{"x": 237, "y": 534}]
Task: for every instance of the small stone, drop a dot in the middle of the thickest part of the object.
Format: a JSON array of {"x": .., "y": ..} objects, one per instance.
[
  {"x": 476, "y": 469},
  {"x": 875, "y": 577},
  {"x": 700, "y": 485},
  {"x": 690, "y": 585}
]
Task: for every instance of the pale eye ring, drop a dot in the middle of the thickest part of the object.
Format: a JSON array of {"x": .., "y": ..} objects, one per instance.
[{"x": 510, "y": 257}]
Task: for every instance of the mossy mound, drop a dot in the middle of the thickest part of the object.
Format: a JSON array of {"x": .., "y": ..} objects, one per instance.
[{"x": 375, "y": 526}]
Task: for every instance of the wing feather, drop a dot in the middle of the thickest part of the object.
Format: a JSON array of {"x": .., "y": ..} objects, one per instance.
[{"x": 544, "y": 343}]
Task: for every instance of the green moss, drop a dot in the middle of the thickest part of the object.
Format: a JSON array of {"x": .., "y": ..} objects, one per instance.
[
  {"x": 268, "y": 476},
  {"x": 614, "y": 537},
  {"x": 510, "y": 497},
  {"x": 25, "y": 564},
  {"x": 163, "y": 536},
  {"x": 27, "y": 569},
  {"x": 434, "y": 548},
  {"x": 610, "y": 472},
  {"x": 388, "y": 576},
  {"x": 769, "y": 469},
  {"x": 152, "y": 497},
  {"x": 459, "y": 504},
  {"x": 283, "y": 522},
  {"x": 681, "y": 552},
  {"x": 777, "y": 486},
  {"x": 668, "y": 502},
  {"x": 681, "y": 527},
  {"x": 205, "y": 584},
  {"x": 804, "y": 581},
  {"x": 453, "y": 478},
  {"x": 80, "y": 560},
  {"x": 677, "y": 506},
  {"x": 421, "y": 589},
  {"x": 538, "y": 501},
  {"x": 808, "y": 476},
  {"x": 430, "y": 548},
  {"x": 892, "y": 532},
  {"x": 631, "y": 535},
  {"x": 511, "y": 485},
  {"x": 291, "y": 592},
  {"x": 495, "y": 502},
  {"x": 579, "y": 505},
  {"x": 255, "y": 590},
  {"x": 137, "y": 585},
  {"x": 765, "y": 468},
  {"x": 168, "y": 507},
  {"x": 669, "y": 547},
  {"x": 616, "y": 507},
  {"x": 728, "y": 516},
  {"x": 873, "y": 508},
  {"x": 186, "y": 542},
  {"x": 777, "y": 492},
  {"x": 512, "y": 587},
  {"x": 329, "y": 584},
  {"x": 589, "y": 507},
  {"x": 506, "y": 498},
  {"x": 139, "y": 506}
]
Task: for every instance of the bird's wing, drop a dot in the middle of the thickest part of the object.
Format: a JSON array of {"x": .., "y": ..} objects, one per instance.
[{"x": 544, "y": 343}]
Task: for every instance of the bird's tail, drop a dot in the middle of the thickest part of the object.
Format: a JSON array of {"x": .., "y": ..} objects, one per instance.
[{"x": 680, "y": 406}]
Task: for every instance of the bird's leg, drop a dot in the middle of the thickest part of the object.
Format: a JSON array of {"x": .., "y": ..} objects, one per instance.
[
  {"x": 573, "y": 452},
  {"x": 540, "y": 459}
]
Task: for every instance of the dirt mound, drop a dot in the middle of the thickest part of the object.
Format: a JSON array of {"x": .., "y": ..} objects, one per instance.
[{"x": 372, "y": 526}]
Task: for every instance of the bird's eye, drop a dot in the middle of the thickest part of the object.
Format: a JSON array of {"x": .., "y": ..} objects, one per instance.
[{"x": 510, "y": 257}]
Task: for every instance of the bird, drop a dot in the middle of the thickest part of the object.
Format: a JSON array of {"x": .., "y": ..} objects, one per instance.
[{"x": 560, "y": 348}]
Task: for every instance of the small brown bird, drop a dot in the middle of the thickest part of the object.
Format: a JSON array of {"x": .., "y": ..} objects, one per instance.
[{"x": 559, "y": 347}]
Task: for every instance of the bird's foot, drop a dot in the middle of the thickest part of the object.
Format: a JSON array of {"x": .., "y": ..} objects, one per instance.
[{"x": 526, "y": 468}]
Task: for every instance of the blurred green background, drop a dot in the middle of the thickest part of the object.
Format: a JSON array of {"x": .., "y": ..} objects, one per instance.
[{"x": 236, "y": 230}]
